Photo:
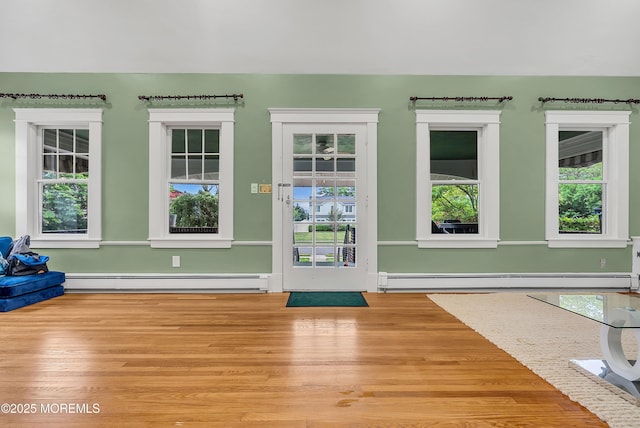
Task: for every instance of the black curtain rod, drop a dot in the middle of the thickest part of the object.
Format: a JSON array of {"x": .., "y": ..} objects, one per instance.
[
  {"x": 483, "y": 99},
  {"x": 187, "y": 97},
  {"x": 589, "y": 100},
  {"x": 53, "y": 96}
]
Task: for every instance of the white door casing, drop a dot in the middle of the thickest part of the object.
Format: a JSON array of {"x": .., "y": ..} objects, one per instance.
[{"x": 326, "y": 262}]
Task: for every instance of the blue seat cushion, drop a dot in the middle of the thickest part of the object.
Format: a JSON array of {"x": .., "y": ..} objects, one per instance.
[
  {"x": 11, "y": 286},
  {"x": 5, "y": 243},
  {"x": 12, "y": 303}
]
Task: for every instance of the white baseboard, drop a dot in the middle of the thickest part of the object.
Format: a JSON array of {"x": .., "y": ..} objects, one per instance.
[
  {"x": 493, "y": 281},
  {"x": 167, "y": 283},
  {"x": 259, "y": 283}
]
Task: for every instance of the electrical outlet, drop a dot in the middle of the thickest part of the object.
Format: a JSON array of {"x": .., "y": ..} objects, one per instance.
[
  {"x": 175, "y": 261},
  {"x": 265, "y": 188},
  {"x": 254, "y": 187},
  {"x": 603, "y": 263}
]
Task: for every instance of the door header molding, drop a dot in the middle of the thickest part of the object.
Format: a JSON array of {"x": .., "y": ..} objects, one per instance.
[{"x": 324, "y": 115}]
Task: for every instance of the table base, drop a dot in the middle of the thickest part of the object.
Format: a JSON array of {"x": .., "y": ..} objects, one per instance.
[{"x": 600, "y": 371}]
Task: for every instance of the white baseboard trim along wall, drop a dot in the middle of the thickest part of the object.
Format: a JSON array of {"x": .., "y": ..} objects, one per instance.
[
  {"x": 429, "y": 282},
  {"x": 387, "y": 282},
  {"x": 147, "y": 283}
]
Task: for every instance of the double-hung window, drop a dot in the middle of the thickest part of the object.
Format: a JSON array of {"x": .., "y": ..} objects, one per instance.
[
  {"x": 58, "y": 176},
  {"x": 587, "y": 178},
  {"x": 457, "y": 200},
  {"x": 191, "y": 177}
]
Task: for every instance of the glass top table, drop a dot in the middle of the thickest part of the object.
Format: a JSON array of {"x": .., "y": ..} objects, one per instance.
[
  {"x": 612, "y": 309},
  {"x": 616, "y": 313}
]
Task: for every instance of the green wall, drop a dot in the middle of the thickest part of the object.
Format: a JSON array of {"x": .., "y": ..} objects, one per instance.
[{"x": 125, "y": 164}]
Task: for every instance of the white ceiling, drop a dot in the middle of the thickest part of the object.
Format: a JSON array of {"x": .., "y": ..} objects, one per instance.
[{"x": 453, "y": 37}]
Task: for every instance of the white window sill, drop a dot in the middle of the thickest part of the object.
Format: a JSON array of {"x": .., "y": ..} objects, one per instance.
[
  {"x": 190, "y": 243},
  {"x": 453, "y": 242},
  {"x": 64, "y": 243},
  {"x": 587, "y": 242}
]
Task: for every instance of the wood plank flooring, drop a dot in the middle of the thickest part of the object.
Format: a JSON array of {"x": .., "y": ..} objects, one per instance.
[{"x": 245, "y": 360}]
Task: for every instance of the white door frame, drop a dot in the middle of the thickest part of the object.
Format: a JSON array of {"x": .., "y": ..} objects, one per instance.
[{"x": 280, "y": 117}]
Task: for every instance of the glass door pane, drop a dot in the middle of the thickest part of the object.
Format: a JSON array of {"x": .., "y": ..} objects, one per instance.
[{"x": 324, "y": 201}]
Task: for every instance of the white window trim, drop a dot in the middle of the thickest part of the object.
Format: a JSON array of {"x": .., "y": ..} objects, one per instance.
[
  {"x": 616, "y": 198},
  {"x": 28, "y": 160},
  {"x": 487, "y": 122},
  {"x": 160, "y": 122}
]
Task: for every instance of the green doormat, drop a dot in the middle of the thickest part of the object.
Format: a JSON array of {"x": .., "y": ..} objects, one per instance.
[{"x": 326, "y": 298}]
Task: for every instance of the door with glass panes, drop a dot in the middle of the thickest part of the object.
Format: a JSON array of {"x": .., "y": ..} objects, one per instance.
[{"x": 323, "y": 198}]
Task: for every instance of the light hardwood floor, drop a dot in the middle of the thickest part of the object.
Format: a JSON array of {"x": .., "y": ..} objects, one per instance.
[{"x": 245, "y": 360}]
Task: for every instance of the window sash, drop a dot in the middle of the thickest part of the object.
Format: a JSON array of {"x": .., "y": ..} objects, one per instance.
[
  {"x": 66, "y": 216},
  {"x": 486, "y": 125}
]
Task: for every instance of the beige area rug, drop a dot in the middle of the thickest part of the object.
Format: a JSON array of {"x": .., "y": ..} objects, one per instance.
[{"x": 545, "y": 339}]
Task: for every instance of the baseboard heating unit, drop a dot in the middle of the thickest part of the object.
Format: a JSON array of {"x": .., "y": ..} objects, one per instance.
[
  {"x": 159, "y": 283},
  {"x": 431, "y": 282}
]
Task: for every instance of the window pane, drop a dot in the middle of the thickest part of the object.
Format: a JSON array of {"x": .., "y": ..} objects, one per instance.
[
  {"x": 454, "y": 208},
  {"x": 82, "y": 167},
  {"x": 324, "y": 165},
  {"x": 50, "y": 149},
  {"x": 302, "y": 144},
  {"x": 211, "y": 167},
  {"x": 301, "y": 232},
  {"x": 324, "y": 145},
  {"x": 50, "y": 166},
  {"x": 325, "y": 256},
  {"x": 82, "y": 141},
  {"x": 194, "y": 167},
  {"x": 347, "y": 256},
  {"x": 65, "y": 142},
  {"x": 178, "y": 167},
  {"x": 64, "y": 208},
  {"x": 301, "y": 190},
  {"x": 65, "y": 155},
  {"x": 50, "y": 140},
  {"x": 347, "y": 144},
  {"x": 178, "y": 141},
  {"x": 301, "y": 164},
  {"x": 212, "y": 141},
  {"x": 347, "y": 191},
  {"x": 346, "y": 164},
  {"x": 301, "y": 218},
  {"x": 454, "y": 155},
  {"x": 324, "y": 234},
  {"x": 580, "y": 208},
  {"x": 194, "y": 140},
  {"x": 66, "y": 166},
  {"x": 302, "y": 256},
  {"x": 580, "y": 155},
  {"x": 325, "y": 189},
  {"x": 193, "y": 208}
]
